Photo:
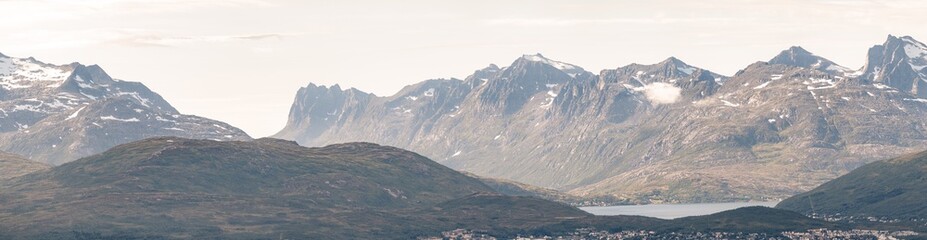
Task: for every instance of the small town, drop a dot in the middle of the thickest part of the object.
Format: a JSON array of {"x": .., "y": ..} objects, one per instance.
[
  {"x": 591, "y": 234},
  {"x": 859, "y": 219}
]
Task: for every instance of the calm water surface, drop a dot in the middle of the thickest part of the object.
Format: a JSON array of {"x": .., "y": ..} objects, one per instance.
[{"x": 671, "y": 211}]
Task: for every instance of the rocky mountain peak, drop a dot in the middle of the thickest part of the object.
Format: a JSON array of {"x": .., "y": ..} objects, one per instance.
[
  {"x": 797, "y": 50},
  {"x": 673, "y": 61},
  {"x": 537, "y": 58},
  {"x": 799, "y": 57},
  {"x": 678, "y": 67},
  {"x": 58, "y": 113},
  {"x": 512, "y": 87},
  {"x": 330, "y": 91},
  {"x": 320, "y": 107},
  {"x": 893, "y": 40},
  {"x": 482, "y": 76},
  {"x": 670, "y": 70},
  {"x": 899, "y": 63}
]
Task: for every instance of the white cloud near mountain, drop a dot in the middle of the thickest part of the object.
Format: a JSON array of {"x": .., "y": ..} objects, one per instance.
[{"x": 661, "y": 93}]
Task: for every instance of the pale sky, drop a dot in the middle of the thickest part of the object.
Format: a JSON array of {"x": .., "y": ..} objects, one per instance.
[{"x": 242, "y": 61}]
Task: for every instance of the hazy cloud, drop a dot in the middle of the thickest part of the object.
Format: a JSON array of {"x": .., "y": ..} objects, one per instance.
[
  {"x": 22, "y": 13},
  {"x": 170, "y": 41},
  {"x": 149, "y": 5},
  {"x": 559, "y": 22},
  {"x": 59, "y": 39},
  {"x": 874, "y": 3}
]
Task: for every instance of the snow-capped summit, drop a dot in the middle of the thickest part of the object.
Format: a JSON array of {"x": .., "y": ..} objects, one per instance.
[
  {"x": 570, "y": 69},
  {"x": 799, "y": 57},
  {"x": 58, "y": 113},
  {"x": 916, "y": 51},
  {"x": 19, "y": 73}
]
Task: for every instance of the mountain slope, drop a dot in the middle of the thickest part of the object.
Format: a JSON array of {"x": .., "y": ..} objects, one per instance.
[
  {"x": 751, "y": 219},
  {"x": 58, "y": 113},
  {"x": 664, "y": 132},
  {"x": 894, "y": 188},
  {"x": 182, "y": 188},
  {"x": 12, "y": 166},
  {"x": 513, "y": 188}
]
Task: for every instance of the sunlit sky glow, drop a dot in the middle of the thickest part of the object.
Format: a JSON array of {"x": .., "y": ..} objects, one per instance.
[{"x": 241, "y": 61}]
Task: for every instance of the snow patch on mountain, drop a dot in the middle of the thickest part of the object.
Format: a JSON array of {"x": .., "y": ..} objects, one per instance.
[
  {"x": 914, "y": 49},
  {"x": 730, "y": 104},
  {"x": 918, "y": 52},
  {"x": 17, "y": 73},
  {"x": 881, "y": 86},
  {"x": 74, "y": 115},
  {"x": 144, "y": 101},
  {"x": 687, "y": 70},
  {"x": 31, "y": 70},
  {"x": 761, "y": 86},
  {"x": 112, "y": 118}
]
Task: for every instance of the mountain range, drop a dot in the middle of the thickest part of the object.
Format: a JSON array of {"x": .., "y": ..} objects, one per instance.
[
  {"x": 109, "y": 164},
  {"x": 665, "y": 132},
  {"x": 58, "y": 113}
]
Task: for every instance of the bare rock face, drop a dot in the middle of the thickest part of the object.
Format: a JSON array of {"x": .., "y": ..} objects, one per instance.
[
  {"x": 666, "y": 132},
  {"x": 899, "y": 63},
  {"x": 58, "y": 113}
]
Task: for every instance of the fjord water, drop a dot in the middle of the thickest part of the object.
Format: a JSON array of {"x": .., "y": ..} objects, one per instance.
[{"x": 672, "y": 211}]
